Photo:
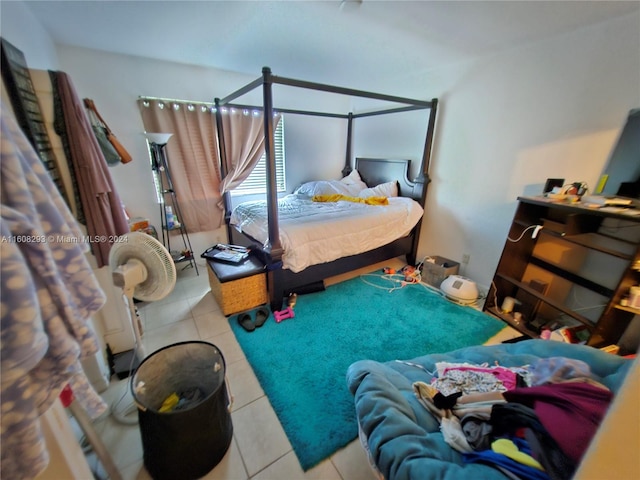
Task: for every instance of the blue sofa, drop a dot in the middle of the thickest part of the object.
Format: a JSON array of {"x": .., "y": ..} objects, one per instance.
[{"x": 404, "y": 440}]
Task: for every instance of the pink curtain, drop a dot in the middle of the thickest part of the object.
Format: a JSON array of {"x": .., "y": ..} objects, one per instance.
[
  {"x": 244, "y": 143},
  {"x": 192, "y": 157}
]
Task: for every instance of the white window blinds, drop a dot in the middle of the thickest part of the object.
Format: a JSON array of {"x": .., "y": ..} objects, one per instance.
[{"x": 256, "y": 182}]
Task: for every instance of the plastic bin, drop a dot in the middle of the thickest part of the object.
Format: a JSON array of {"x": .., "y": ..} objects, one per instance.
[{"x": 189, "y": 440}]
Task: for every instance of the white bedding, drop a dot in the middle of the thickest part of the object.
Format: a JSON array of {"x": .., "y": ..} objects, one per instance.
[{"x": 319, "y": 232}]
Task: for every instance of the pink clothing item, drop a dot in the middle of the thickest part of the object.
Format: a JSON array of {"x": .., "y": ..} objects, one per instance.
[
  {"x": 505, "y": 375},
  {"x": 571, "y": 412}
]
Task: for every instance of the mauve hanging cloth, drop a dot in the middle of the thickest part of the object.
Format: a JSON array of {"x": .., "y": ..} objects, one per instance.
[
  {"x": 571, "y": 412},
  {"x": 105, "y": 218}
]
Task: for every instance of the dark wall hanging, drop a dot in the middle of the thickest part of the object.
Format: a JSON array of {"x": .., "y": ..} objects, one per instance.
[{"x": 17, "y": 81}]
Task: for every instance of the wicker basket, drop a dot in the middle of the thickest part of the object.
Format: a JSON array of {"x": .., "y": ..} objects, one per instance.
[
  {"x": 435, "y": 273},
  {"x": 239, "y": 295}
]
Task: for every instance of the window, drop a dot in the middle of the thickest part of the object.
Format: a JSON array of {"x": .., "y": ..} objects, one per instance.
[{"x": 256, "y": 181}]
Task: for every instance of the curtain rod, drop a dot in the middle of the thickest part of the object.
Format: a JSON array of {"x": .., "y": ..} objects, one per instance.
[
  {"x": 143, "y": 97},
  {"x": 208, "y": 104}
]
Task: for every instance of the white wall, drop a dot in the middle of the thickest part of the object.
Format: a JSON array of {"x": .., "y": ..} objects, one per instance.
[
  {"x": 22, "y": 30},
  {"x": 552, "y": 109}
]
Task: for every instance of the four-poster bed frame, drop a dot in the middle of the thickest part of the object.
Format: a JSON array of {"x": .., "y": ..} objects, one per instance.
[{"x": 280, "y": 281}]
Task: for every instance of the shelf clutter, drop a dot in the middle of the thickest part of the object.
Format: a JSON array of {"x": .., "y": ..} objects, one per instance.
[{"x": 575, "y": 279}]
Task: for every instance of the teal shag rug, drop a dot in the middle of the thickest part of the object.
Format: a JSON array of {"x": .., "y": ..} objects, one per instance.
[{"x": 301, "y": 363}]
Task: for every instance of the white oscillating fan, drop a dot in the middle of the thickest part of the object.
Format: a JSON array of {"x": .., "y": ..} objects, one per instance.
[{"x": 144, "y": 269}]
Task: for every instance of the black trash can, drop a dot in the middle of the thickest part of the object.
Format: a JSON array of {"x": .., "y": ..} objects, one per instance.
[{"x": 188, "y": 440}]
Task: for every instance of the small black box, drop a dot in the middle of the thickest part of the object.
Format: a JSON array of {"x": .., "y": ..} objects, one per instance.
[{"x": 551, "y": 183}]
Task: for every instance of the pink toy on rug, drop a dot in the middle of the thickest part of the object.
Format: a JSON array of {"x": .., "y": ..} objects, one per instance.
[{"x": 283, "y": 314}]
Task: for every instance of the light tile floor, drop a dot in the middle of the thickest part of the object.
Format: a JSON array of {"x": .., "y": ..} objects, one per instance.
[{"x": 260, "y": 449}]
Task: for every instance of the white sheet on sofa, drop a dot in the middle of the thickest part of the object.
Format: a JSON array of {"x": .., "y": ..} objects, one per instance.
[{"x": 317, "y": 232}]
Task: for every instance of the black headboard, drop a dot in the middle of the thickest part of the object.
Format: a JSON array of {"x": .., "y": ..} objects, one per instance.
[{"x": 375, "y": 171}]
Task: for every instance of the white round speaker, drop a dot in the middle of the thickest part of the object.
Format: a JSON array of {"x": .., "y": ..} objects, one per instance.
[{"x": 460, "y": 289}]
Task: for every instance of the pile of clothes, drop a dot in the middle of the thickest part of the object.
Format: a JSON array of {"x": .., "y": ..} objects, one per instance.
[{"x": 530, "y": 422}]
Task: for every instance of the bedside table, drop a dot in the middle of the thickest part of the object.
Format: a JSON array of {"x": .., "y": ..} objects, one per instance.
[{"x": 238, "y": 287}]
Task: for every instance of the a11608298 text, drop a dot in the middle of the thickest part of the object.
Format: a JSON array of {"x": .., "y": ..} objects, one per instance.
[{"x": 63, "y": 239}]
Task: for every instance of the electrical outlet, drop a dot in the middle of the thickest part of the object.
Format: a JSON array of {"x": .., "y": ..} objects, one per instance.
[{"x": 466, "y": 257}]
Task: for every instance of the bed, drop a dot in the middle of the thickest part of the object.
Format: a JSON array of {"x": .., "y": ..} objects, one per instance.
[
  {"x": 314, "y": 232},
  {"x": 403, "y": 439},
  {"x": 291, "y": 268}
]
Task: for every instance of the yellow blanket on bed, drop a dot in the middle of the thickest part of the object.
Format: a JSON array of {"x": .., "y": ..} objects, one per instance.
[{"x": 335, "y": 197}]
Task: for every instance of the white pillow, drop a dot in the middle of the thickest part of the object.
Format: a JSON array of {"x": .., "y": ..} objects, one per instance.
[
  {"x": 355, "y": 183},
  {"x": 388, "y": 189},
  {"x": 323, "y": 187}
]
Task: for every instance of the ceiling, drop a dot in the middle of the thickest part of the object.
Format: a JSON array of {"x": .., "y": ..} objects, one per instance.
[{"x": 319, "y": 40}]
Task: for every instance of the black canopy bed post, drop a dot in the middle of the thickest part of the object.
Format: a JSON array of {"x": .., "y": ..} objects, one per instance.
[
  {"x": 423, "y": 179},
  {"x": 226, "y": 196},
  {"x": 347, "y": 161},
  {"x": 274, "y": 248},
  {"x": 418, "y": 184}
]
